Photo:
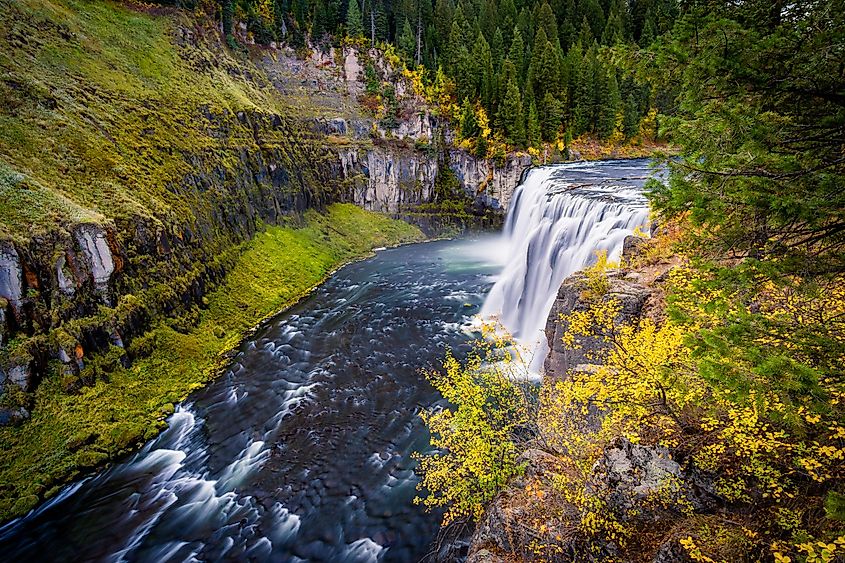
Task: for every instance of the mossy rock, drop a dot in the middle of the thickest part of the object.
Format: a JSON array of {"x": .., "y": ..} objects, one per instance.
[
  {"x": 24, "y": 504},
  {"x": 80, "y": 439},
  {"x": 91, "y": 458},
  {"x": 125, "y": 435}
]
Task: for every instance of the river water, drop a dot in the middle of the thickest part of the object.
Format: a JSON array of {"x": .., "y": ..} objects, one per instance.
[{"x": 301, "y": 451}]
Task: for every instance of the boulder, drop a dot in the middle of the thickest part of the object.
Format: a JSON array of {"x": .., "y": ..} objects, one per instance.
[
  {"x": 94, "y": 245},
  {"x": 637, "y": 482},
  {"x": 632, "y": 246}
]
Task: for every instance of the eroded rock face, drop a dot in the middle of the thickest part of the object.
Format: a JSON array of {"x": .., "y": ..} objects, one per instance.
[
  {"x": 385, "y": 181},
  {"x": 64, "y": 277},
  {"x": 11, "y": 277},
  {"x": 93, "y": 244},
  {"x": 481, "y": 177},
  {"x": 631, "y": 296}
]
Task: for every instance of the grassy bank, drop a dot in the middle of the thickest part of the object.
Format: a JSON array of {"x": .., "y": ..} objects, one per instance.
[{"x": 69, "y": 434}]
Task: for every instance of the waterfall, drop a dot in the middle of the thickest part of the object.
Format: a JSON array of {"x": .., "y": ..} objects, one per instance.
[{"x": 560, "y": 216}]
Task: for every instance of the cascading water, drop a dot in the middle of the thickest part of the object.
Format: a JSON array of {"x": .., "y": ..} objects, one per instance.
[{"x": 560, "y": 217}]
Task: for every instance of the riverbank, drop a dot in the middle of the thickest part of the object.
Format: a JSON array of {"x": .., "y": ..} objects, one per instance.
[{"x": 71, "y": 434}]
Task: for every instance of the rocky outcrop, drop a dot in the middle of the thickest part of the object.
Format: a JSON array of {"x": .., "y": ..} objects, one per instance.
[
  {"x": 389, "y": 164},
  {"x": 388, "y": 180},
  {"x": 81, "y": 289},
  {"x": 631, "y": 297},
  {"x": 392, "y": 178},
  {"x": 11, "y": 275},
  {"x": 485, "y": 179},
  {"x": 637, "y": 482},
  {"x": 633, "y": 483}
]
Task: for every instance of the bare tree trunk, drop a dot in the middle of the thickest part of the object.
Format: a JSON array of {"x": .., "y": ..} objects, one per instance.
[{"x": 419, "y": 38}]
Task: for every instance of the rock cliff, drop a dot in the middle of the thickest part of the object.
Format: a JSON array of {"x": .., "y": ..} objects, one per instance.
[{"x": 390, "y": 163}]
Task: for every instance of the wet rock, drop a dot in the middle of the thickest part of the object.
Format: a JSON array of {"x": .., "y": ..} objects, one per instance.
[{"x": 631, "y": 297}]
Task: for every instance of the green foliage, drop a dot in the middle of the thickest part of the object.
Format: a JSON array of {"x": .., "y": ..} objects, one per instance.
[
  {"x": 759, "y": 117},
  {"x": 511, "y": 115},
  {"x": 107, "y": 108},
  {"x": 549, "y": 43},
  {"x": 532, "y": 126},
  {"x": 354, "y": 21}
]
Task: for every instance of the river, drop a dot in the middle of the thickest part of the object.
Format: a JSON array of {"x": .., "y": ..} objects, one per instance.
[{"x": 301, "y": 450}]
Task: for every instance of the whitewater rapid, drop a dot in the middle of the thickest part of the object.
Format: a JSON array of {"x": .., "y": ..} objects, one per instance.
[{"x": 560, "y": 217}]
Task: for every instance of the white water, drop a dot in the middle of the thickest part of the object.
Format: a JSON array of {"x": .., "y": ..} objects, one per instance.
[{"x": 560, "y": 217}]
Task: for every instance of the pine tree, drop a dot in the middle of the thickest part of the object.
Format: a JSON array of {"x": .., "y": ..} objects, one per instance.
[
  {"x": 649, "y": 33},
  {"x": 547, "y": 21},
  {"x": 631, "y": 120},
  {"x": 469, "y": 123},
  {"x": 551, "y": 116},
  {"x": 532, "y": 126},
  {"x": 497, "y": 49},
  {"x": 510, "y": 117},
  {"x": 354, "y": 21},
  {"x": 516, "y": 54},
  {"x": 507, "y": 20},
  {"x": 592, "y": 11},
  {"x": 443, "y": 12},
  {"x": 585, "y": 34},
  {"x": 483, "y": 75},
  {"x": 407, "y": 42},
  {"x": 584, "y": 99},
  {"x": 567, "y": 28},
  {"x": 525, "y": 23},
  {"x": 614, "y": 31},
  {"x": 610, "y": 106}
]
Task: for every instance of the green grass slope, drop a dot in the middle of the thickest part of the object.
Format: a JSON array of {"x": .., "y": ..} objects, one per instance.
[{"x": 99, "y": 104}]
